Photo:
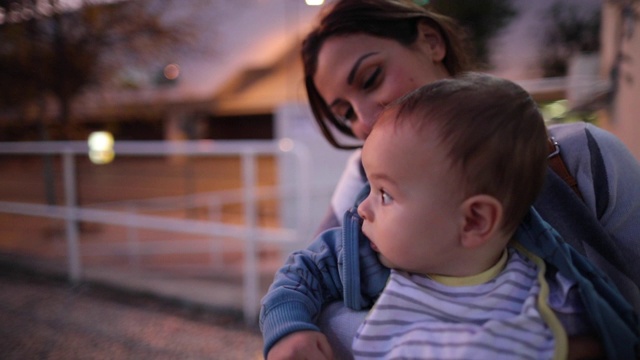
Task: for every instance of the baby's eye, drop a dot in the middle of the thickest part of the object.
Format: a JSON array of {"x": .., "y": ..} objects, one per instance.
[{"x": 385, "y": 198}]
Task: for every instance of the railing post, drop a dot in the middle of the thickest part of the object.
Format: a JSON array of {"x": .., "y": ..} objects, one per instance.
[
  {"x": 251, "y": 276},
  {"x": 133, "y": 240},
  {"x": 303, "y": 195},
  {"x": 216, "y": 250},
  {"x": 73, "y": 243}
]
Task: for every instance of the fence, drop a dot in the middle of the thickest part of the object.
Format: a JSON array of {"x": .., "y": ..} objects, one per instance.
[{"x": 250, "y": 233}]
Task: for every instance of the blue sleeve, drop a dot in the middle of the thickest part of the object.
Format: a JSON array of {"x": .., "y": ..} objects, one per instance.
[
  {"x": 338, "y": 265},
  {"x": 309, "y": 278}
]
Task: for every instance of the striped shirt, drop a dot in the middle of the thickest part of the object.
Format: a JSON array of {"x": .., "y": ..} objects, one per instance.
[{"x": 502, "y": 313}]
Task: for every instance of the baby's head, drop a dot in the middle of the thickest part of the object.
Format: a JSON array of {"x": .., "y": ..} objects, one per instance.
[
  {"x": 453, "y": 167},
  {"x": 492, "y": 131}
]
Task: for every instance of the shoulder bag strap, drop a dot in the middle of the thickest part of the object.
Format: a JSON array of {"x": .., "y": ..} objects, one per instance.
[{"x": 557, "y": 165}]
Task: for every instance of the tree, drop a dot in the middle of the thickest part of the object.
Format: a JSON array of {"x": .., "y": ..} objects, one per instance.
[
  {"x": 50, "y": 50},
  {"x": 568, "y": 33},
  {"x": 481, "y": 19}
]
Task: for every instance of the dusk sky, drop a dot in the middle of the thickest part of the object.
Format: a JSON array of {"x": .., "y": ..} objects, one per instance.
[
  {"x": 515, "y": 52},
  {"x": 262, "y": 30}
]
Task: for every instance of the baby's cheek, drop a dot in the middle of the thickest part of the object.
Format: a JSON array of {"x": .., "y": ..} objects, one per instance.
[{"x": 385, "y": 261}]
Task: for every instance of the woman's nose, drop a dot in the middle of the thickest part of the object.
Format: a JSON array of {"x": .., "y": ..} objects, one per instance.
[
  {"x": 361, "y": 130},
  {"x": 367, "y": 116},
  {"x": 369, "y": 112}
]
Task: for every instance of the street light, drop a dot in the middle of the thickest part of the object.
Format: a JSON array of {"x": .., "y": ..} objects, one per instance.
[{"x": 314, "y": 2}]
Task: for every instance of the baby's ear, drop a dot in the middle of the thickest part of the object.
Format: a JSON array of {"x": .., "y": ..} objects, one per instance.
[{"x": 482, "y": 219}]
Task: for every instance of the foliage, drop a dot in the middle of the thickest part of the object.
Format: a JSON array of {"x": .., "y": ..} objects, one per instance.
[
  {"x": 50, "y": 50},
  {"x": 568, "y": 33},
  {"x": 481, "y": 19}
]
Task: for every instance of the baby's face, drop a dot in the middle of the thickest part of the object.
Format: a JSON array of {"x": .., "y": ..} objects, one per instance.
[{"x": 412, "y": 213}]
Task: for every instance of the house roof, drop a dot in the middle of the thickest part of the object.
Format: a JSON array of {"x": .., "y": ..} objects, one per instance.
[
  {"x": 251, "y": 65},
  {"x": 248, "y": 63}
]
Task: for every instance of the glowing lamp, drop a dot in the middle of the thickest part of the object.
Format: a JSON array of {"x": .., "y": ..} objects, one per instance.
[{"x": 101, "y": 147}]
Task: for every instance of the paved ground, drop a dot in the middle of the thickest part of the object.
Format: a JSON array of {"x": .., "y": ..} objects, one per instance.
[{"x": 43, "y": 317}]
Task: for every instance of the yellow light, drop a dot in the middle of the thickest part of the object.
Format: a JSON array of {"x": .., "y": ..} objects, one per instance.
[
  {"x": 101, "y": 147},
  {"x": 314, "y": 2}
]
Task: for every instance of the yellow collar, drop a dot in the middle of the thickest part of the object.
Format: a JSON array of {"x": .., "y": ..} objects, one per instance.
[{"x": 476, "y": 279}]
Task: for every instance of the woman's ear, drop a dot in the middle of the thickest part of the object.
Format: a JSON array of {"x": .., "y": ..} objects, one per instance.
[
  {"x": 482, "y": 220},
  {"x": 432, "y": 39}
]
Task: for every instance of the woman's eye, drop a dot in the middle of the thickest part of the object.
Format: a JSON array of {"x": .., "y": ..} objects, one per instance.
[
  {"x": 371, "y": 80},
  {"x": 386, "y": 198},
  {"x": 348, "y": 117}
]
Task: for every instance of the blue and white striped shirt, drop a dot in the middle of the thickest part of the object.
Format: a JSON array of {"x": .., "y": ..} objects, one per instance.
[{"x": 501, "y": 313}]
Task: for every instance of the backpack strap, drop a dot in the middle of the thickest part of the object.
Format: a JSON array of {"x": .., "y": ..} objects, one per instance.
[{"x": 558, "y": 166}]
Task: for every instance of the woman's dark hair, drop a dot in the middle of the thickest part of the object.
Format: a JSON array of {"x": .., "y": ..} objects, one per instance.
[{"x": 391, "y": 19}]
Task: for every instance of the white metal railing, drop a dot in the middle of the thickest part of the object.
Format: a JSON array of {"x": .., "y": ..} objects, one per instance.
[{"x": 250, "y": 233}]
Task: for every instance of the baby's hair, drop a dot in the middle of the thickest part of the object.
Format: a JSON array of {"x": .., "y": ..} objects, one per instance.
[{"x": 494, "y": 133}]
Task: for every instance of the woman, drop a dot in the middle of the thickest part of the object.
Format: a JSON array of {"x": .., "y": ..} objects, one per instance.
[{"x": 366, "y": 53}]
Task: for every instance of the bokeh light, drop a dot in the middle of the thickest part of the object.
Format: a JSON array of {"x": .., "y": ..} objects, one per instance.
[
  {"x": 285, "y": 144},
  {"x": 172, "y": 71},
  {"x": 554, "y": 110},
  {"x": 101, "y": 147}
]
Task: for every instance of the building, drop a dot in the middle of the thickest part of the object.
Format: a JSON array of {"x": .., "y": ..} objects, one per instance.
[
  {"x": 255, "y": 68},
  {"x": 210, "y": 92}
]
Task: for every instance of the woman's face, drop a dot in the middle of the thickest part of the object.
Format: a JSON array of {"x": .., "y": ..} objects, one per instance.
[{"x": 357, "y": 75}]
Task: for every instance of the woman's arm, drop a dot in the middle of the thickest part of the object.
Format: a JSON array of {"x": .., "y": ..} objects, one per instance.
[
  {"x": 309, "y": 278},
  {"x": 338, "y": 265}
]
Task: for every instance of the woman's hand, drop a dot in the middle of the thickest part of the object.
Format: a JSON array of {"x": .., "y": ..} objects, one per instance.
[{"x": 308, "y": 345}]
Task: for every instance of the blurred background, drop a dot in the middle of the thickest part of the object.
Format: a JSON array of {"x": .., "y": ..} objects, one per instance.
[{"x": 167, "y": 147}]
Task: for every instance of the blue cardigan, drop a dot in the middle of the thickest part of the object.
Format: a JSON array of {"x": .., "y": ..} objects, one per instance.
[{"x": 340, "y": 264}]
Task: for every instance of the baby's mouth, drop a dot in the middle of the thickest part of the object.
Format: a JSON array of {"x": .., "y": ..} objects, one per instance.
[
  {"x": 373, "y": 246},
  {"x": 371, "y": 243}
]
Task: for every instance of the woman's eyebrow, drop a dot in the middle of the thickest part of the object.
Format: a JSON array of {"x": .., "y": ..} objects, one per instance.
[{"x": 356, "y": 65}]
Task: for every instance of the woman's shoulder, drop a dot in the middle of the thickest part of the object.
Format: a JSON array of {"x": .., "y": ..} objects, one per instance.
[
  {"x": 606, "y": 171},
  {"x": 577, "y": 136},
  {"x": 583, "y": 144},
  {"x": 591, "y": 155}
]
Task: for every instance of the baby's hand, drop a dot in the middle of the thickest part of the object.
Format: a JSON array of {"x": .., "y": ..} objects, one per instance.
[{"x": 309, "y": 345}]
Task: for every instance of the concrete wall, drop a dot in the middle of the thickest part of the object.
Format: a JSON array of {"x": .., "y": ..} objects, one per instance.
[{"x": 294, "y": 121}]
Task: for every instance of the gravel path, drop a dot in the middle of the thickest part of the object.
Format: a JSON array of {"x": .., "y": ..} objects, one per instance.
[{"x": 45, "y": 318}]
